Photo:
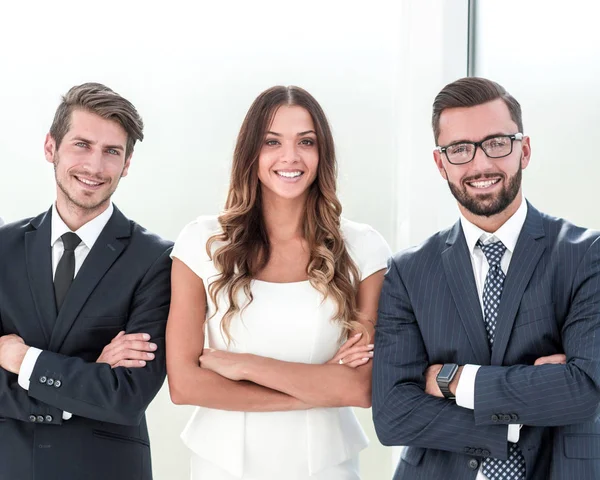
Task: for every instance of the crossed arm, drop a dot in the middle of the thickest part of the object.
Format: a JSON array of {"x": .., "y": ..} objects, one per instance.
[
  {"x": 245, "y": 382},
  {"x": 546, "y": 394},
  {"x": 110, "y": 389}
]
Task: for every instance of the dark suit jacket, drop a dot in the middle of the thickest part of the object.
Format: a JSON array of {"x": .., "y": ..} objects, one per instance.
[
  {"x": 123, "y": 284},
  {"x": 429, "y": 313}
]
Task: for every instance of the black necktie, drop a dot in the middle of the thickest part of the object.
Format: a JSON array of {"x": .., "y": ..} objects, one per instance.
[{"x": 65, "y": 270}]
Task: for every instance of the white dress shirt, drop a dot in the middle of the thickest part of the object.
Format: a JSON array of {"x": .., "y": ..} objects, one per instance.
[
  {"x": 88, "y": 234},
  {"x": 508, "y": 234},
  {"x": 1, "y": 222}
]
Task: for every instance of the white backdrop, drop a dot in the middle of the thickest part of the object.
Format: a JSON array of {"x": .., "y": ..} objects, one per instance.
[{"x": 193, "y": 68}]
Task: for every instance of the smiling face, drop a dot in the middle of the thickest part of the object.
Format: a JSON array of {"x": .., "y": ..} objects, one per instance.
[
  {"x": 289, "y": 157},
  {"x": 484, "y": 187},
  {"x": 89, "y": 163}
]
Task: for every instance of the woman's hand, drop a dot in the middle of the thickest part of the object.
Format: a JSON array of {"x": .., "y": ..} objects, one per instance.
[
  {"x": 353, "y": 355},
  {"x": 227, "y": 364}
]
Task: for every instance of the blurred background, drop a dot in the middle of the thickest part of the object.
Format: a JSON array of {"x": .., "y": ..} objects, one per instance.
[{"x": 193, "y": 68}]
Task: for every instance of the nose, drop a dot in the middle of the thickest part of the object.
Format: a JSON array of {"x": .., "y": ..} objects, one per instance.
[
  {"x": 481, "y": 161},
  {"x": 289, "y": 153},
  {"x": 93, "y": 163}
]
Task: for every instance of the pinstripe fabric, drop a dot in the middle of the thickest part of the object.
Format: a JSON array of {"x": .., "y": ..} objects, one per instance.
[{"x": 429, "y": 313}]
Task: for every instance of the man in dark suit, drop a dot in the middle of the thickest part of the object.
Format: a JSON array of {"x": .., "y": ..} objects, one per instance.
[
  {"x": 84, "y": 298},
  {"x": 465, "y": 317}
]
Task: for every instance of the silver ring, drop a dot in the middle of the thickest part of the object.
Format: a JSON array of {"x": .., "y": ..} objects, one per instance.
[{"x": 341, "y": 362}]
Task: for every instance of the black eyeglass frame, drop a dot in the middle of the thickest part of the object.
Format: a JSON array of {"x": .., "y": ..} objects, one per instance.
[{"x": 513, "y": 137}]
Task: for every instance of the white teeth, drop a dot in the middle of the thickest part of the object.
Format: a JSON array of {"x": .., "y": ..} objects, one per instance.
[
  {"x": 484, "y": 184},
  {"x": 289, "y": 174},
  {"x": 87, "y": 182}
]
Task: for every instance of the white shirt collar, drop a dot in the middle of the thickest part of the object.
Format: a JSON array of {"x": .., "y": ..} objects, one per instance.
[
  {"x": 508, "y": 233},
  {"x": 88, "y": 232}
]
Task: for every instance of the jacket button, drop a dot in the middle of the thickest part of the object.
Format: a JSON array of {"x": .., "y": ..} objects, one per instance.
[
  {"x": 49, "y": 418},
  {"x": 514, "y": 417},
  {"x": 495, "y": 418},
  {"x": 32, "y": 418},
  {"x": 485, "y": 453},
  {"x": 43, "y": 379},
  {"x": 57, "y": 384},
  {"x": 506, "y": 418},
  {"x": 40, "y": 419},
  {"x": 473, "y": 464},
  {"x": 467, "y": 450},
  {"x": 50, "y": 382},
  {"x": 479, "y": 451}
]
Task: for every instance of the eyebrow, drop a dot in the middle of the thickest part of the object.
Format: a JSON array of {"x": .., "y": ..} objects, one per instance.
[
  {"x": 298, "y": 134},
  {"x": 493, "y": 135},
  {"x": 82, "y": 139}
]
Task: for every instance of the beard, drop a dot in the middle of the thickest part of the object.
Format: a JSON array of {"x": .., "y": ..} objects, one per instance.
[
  {"x": 87, "y": 203},
  {"x": 490, "y": 203}
]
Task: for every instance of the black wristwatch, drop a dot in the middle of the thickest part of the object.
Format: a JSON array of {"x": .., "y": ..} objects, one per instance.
[{"x": 446, "y": 376}]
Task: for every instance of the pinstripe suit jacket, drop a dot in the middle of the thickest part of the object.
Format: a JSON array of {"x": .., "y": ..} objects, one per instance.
[{"x": 429, "y": 313}]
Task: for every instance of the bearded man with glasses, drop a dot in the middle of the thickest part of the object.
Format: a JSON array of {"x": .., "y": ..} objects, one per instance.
[{"x": 487, "y": 344}]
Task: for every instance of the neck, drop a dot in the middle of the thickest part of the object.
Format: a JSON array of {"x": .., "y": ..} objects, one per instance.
[
  {"x": 283, "y": 218},
  {"x": 75, "y": 217},
  {"x": 492, "y": 223}
]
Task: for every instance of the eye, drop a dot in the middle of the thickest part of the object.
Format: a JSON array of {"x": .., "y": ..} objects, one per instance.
[
  {"x": 307, "y": 141},
  {"x": 272, "y": 143},
  {"x": 81, "y": 144},
  {"x": 458, "y": 149},
  {"x": 112, "y": 151}
]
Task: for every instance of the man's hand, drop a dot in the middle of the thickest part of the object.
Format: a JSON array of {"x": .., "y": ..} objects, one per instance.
[
  {"x": 556, "y": 359},
  {"x": 12, "y": 352},
  {"x": 353, "y": 355},
  {"x": 131, "y": 350}
]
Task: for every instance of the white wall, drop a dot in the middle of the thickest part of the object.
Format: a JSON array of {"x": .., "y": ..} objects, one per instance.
[
  {"x": 547, "y": 54},
  {"x": 192, "y": 69}
]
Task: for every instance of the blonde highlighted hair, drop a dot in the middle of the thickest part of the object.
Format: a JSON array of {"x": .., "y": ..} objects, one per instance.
[{"x": 245, "y": 247}]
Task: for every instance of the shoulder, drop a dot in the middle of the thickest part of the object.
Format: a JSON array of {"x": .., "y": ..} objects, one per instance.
[
  {"x": 427, "y": 250},
  {"x": 568, "y": 239},
  {"x": 366, "y": 246},
  {"x": 197, "y": 232},
  {"x": 12, "y": 232},
  {"x": 190, "y": 246}
]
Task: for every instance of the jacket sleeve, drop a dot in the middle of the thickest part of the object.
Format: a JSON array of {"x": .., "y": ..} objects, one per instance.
[
  {"x": 553, "y": 395},
  {"x": 402, "y": 412},
  {"x": 99, "y": 392}
]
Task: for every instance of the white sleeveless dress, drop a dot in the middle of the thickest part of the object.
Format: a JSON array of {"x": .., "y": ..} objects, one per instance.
[{"x": 285, "y": 321}]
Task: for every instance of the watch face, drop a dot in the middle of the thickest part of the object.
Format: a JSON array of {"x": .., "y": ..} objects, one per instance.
[{"x": 447, "y": 371}]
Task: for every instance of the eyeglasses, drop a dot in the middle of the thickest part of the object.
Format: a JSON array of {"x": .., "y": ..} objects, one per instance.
[{"x": 494, "y": 147}]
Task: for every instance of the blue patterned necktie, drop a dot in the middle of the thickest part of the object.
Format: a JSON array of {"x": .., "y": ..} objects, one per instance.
[{"x": 492, "y": 468}]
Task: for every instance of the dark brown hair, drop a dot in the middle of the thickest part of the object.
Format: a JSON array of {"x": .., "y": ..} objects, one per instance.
[
  {"x": 470, "y": 92},
  {"x": 101, "y": 100},
  {"x": 244, "y": 247}
]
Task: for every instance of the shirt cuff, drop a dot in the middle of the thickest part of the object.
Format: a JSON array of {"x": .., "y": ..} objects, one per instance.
[
  {"x": 465, "y": 390},
  {"x": 68, "y": 415},
  {"x": 27, "y": 367},
  {"x": 514, "y": 432}
]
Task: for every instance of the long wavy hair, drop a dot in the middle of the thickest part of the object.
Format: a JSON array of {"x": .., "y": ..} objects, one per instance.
[{"x": 244, "y": 246}]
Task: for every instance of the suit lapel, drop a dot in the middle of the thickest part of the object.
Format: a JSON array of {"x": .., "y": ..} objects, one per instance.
[
  {"x": 38, "y": 258},
  {"x": 526, "y": 256},
  {"x": 459, "y": 272},
  {"x": 106, "y": 250}
]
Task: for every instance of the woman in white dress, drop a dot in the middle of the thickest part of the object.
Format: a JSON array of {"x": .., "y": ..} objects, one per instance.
[{"x": 284, "y": 292}]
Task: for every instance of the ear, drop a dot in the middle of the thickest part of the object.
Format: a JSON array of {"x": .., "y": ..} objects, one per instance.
[
  {"x": 49, "y": 148},
  {"x": 126, "y": 167},
  {"x": 526, "y": 149},
  {"x": 439, "y": 163}
]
